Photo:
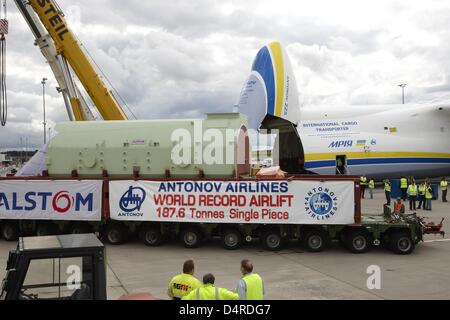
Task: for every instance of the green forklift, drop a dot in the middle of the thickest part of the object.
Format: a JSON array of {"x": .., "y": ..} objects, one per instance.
[{"x": 62, "y": 267}]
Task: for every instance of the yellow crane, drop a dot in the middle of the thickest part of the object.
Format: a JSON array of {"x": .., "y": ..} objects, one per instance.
[{"x": 61, "y": 48}]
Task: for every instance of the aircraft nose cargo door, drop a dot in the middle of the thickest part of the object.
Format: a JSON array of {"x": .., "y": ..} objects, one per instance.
[
  {"x": 270, "y": 100},
  {"x": 288, "y": 150}
]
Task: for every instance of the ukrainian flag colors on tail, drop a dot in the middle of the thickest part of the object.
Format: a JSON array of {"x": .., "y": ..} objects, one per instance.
[{"x": 271, "y": 88}]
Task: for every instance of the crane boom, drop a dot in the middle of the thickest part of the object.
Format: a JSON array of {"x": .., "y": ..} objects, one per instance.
[
  {"x": 77, "y": 108},
  {"x": 67, "y": 46}
]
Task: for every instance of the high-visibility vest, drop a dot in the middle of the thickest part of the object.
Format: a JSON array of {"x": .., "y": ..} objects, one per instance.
[
  {"x": 428, "y": 193},
  {"x": 387, "y": 186},
  {"x": 182, "y": 284},
  {"x": 254, "y": 286},
  {"x": 363, "y": 181},
  {"x": 403, "y": 183},
  {"x": 422, "y": 189},
  {"x": 210, "y": 292},
  {"x": 372, "y": 184},
  {"x": 444, "y": 185},
  {"x": 412, "y": 190}
]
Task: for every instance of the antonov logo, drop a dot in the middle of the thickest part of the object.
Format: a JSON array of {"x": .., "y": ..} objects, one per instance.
[
  {"x": 341, "y": 144},
  {"x": 132, "y": 199},
  {"x": 321, "y": 203}
]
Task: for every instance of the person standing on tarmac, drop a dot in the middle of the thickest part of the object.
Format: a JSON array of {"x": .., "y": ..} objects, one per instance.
[
  {"x": 363, "y": 183},
  {"x": 250, "y": 286},
  {"x": 444, "y": 187},
  {"x": 371, "y": 187},
  {"x": 421, "y": 190},
  {"x": 209, "y": 292},
  {"x": 403, "y": 187},
  {"x": 387, "y": 191},
  {"x": 184, "y": 283},
  {"x": 412, "y": 195},
  {"x": 428, "y": 195}
]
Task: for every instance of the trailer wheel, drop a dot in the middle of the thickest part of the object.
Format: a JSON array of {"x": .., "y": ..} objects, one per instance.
[
  {"x": 79, "y": 228},
  {"x": 115, "y": 233},
  {"x": 401, "y": 243},
  {"x": 358, "y": 241},
  {"x": 232, "y": 239},
  {"x": 191, "y": 237},
  {"x": 151, "y": 236},
  {"x": 46, "y": 229},
  {"x": 10, "y": 231},
  {"x": 315, "y": 240},
  {"x": 272, "y": 240}
]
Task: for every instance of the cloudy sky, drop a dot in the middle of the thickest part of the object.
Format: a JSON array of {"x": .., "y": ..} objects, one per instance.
[{"x": 180, "y": 58}]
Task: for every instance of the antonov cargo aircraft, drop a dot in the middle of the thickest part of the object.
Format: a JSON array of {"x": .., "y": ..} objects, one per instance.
[{"x": 377, "y": 140}]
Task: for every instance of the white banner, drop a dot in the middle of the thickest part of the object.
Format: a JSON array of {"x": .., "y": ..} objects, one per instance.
[
  {"x": 276, "y": 201},
  {"x": 51, "y": 200}
]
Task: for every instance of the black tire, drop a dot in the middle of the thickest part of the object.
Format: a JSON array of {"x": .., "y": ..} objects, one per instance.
[
  {"x": 401, "y": 243},
  {"x": 79, "y": 228},
  {"x": 358, "y": 241},
  {"x": 10, "y": 231},
  {"x": 272, "y": 240},
  {"x": 315, "y": 240},
  {"x": 46, "y": 229},
  {"x": 151, "y": 236},
  {"x": 115, "y": 233},
  {"x": 232, "y": 239},
  {"x": 191, "y": 237}
]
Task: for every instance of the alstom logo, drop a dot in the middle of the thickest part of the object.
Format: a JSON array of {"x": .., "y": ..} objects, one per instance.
[{"x": 60, "y": 202}]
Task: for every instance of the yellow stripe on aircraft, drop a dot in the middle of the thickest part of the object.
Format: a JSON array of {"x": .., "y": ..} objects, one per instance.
[{"x": 277, "y": 56}]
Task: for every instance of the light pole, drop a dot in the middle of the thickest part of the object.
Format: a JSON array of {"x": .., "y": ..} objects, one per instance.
[
  {"x": 43, "y": 104},
  {"x": 21, "y": 150},
  {"x": 403, "y": 85}
]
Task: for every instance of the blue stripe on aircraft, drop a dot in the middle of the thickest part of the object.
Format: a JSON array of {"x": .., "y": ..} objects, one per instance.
[
  {"x": 263, "y": 65},
  {"x": 332, "y": 163}
]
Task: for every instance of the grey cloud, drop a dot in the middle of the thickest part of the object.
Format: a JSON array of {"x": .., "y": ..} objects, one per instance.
[{"x": 189, "y": 57}]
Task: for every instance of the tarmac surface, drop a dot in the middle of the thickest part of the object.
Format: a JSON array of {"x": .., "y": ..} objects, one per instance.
[{"x": 291, "y": 273}]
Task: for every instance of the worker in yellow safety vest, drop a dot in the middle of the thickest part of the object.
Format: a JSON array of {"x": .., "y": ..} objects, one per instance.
[
  {"x": 428, "y": 196},
  {"x": 184, "y": 283},
  {"x": 371, "y": 187},
  {"x": 250, "y": 286},
  {"x": 421, "y": 195},
  {"x": 387, "y": 191},
  {"x": 412, "y": 195},
  {"x": 363, "y": 183},
  {"x": 403, "y": 187},
  {"x": 444, "y": 187},
  {"x": 209, "y": 292}
]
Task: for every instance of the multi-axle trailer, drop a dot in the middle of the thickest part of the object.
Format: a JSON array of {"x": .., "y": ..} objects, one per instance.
[{"x": 313, "y": 210}]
